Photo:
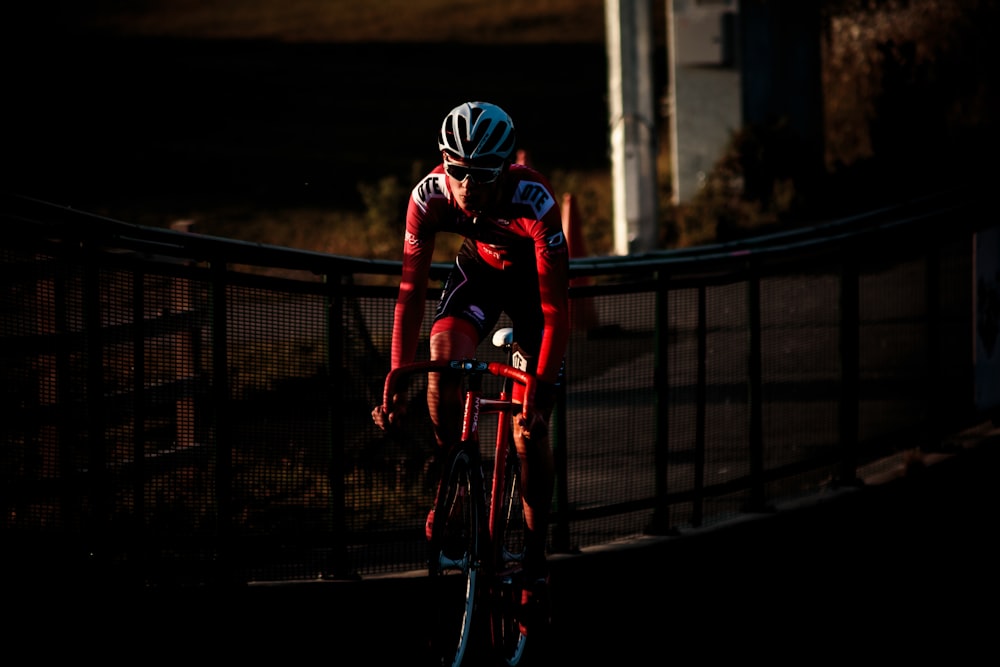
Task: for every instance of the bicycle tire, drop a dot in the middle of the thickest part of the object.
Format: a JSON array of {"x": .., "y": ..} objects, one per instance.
[
  {"x": 509, "y": 642},
  {"x": 457, "y": 537}
]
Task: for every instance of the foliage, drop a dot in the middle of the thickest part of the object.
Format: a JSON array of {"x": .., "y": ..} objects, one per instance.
[
  {"x": 592, "y": 193},
  {"x": 384, "y": 216},
  {"x": 908, "y": 91},
  {"x": 756, "y": 183}
]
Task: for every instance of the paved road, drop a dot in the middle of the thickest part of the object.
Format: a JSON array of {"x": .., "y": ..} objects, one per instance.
[{"x": 900, "y": 570}]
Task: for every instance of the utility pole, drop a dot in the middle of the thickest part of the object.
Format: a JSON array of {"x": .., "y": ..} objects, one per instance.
[{"x": 633, "y": 126}]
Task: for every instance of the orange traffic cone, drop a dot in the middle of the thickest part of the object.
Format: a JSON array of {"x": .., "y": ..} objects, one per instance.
[{"x": 582, "y": 313}]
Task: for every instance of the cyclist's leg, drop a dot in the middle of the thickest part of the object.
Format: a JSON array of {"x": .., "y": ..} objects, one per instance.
[
  {"x": 451, "y": 338},
  {"x": 462, "y": 319},
  {"x": 535, "y": 453},
  {"x": 466, "y": 312},
  {"x": 537, "y": 482},
  {"x": 537, "y": 473}
]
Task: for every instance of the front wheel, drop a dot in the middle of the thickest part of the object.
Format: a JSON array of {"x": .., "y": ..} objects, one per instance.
[
  {"x": 455, "y": 557},
  {"x": 509, "y": 641}
]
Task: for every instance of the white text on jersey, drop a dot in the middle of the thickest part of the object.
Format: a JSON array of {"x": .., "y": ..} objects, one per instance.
[{"x": 536, "y": 196}]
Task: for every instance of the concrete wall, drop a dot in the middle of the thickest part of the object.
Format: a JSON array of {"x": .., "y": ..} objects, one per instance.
[{"x": 735, "y": 64}]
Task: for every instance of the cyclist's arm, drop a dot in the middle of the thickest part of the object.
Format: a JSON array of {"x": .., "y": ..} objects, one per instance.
[
  {"x": 407, "y": 318},
  {"x": 552, "y": 261},
  {"x": 422, "y": 212},
  {"x": 418, "y": 251}
]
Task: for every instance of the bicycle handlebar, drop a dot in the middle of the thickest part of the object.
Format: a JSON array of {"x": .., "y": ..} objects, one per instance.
[{"x": 464, "y": 366}]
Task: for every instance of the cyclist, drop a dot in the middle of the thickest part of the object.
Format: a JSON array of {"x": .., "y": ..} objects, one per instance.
[{"x": 514, "y": 259}]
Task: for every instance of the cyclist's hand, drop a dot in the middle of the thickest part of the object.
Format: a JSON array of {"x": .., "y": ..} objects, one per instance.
[
  {"x": 534, "y": 419},
  {"x": 533, "y": 423},
  {"x": 389, "y": 416}
]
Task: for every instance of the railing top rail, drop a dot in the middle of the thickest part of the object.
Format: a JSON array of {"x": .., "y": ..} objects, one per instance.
[
  {"x": 862, "y": 231},
  {"x": 43, "y": 218}
]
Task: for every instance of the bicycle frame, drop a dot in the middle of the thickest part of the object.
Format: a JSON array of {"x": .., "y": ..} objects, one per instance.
[
  {"x": 492, "y": 558},
  {"x": 476, "y": 404}
]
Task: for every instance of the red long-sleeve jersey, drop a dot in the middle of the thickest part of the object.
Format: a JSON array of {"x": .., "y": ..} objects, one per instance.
[{"x": 522, "y": 232}]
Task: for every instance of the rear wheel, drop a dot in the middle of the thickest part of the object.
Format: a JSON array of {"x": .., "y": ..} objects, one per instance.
[{"x": 455, "y": 557}]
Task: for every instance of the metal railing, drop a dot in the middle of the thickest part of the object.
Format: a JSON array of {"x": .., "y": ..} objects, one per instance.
[{"x": 187, "y": 410}]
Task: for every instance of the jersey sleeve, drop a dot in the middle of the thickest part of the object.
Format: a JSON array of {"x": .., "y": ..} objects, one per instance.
[
  {"x": 418, "y": 252},
  {"x": 552, "y": 262}
]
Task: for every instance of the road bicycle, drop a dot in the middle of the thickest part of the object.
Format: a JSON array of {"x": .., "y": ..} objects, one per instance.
[{"x": 476, "y": 542}]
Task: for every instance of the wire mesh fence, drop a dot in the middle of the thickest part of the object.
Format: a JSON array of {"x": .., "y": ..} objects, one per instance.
[{"x": 190, "y": 411}]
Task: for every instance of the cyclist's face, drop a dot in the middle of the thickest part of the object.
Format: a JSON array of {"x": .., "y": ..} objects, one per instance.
[{"x": 474, "y": 185}]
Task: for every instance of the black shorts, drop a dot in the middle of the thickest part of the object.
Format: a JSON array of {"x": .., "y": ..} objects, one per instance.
[{"x": 479, "y": 293}]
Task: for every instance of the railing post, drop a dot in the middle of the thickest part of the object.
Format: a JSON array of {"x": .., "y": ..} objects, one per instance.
[
  {"x": 661, "y": 523},
  {"x": 698, "y": 504},
  {"x": 339, "y": 565},
  {"x": 850, "y": 330},
  {"x": 49, "y": 304},
  {"x": 935, "y": 432},
  {"x": 183, "y": 345},
  {"x": 560, "y": 528},
  {"x": 140, "y": 414},
  {"x": 758, "y": 500},
  {"x": 225, "y": 572},
  {"x": 98, "y": 483}
]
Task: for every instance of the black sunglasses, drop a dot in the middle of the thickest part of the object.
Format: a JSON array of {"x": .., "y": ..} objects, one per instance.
[{"x": 481, "y": 175}]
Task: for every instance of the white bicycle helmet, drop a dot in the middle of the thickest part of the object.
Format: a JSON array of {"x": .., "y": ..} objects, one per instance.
[{"x": 477, "y": 130}]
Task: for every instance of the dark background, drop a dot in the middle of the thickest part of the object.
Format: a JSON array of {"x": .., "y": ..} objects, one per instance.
[{"x": 94, "y": 120}]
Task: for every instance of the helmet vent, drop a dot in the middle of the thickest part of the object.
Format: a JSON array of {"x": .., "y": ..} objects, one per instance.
[{"x": 476, "y": 130}]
